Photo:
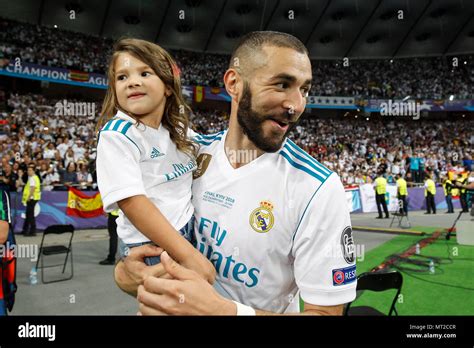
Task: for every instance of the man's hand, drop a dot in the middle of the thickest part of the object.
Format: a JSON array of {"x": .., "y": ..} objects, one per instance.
[
  {"x": 187, "y": 294},
  {"x": 199, "y": 263},
  {"x": 131, "y": 273}
]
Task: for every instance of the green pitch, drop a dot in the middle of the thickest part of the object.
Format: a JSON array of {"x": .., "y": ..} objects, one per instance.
[{"x": 450, "y": 291}]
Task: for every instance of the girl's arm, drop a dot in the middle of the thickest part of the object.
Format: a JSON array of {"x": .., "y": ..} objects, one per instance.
[{"x": 149, "y": 220}]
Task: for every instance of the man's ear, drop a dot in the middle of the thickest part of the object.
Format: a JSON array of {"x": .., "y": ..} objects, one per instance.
[{"x": 233, "y": 83}]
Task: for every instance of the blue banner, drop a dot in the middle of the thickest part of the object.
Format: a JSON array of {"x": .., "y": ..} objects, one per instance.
[{"x": 51, "y": 210}]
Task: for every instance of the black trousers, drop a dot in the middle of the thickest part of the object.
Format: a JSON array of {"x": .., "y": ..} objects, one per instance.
[
  {"x": 380, "y": 200},
  {"x": 29, "y": 226},
  {"x": 404, "y": 207},
  {"x": 430, "y": 203},
  {"x": 112, "y": 229},
  {"x": 463, "y": 199}
]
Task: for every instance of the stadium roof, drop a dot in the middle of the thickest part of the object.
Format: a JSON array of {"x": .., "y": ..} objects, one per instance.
[{"x": 329, "y": 28}]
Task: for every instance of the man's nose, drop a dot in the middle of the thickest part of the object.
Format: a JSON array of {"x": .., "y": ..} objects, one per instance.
[{"x": 295, "y": 102}]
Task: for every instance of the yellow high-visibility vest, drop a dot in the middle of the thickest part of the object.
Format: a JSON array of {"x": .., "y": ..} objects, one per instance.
[
  {"x": 402, "y": 187},
  {"x": 380, "y": 185},
  {"x": 462, "y": 180},
  {"x": 444, "y": 187},
  {"x": 36, "y": 193},
  {"x": 431, "y": 187}
]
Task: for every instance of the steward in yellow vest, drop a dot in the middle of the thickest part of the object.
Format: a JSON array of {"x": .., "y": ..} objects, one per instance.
[
  {"x": 31, "y": 196},
  {"x": 430, "y": 192},
  {"x": 402, "y": 193},
  {"x": 448, "y": 188},
  {"x": 380, "y": 190}
]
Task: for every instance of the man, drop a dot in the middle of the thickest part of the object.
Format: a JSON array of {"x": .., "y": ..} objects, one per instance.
[
  {"x": 8, "y": 178},
  {"x": 461, "y": 182},
  {"x": 448, "y": 188},
  {"x": 468, "y": 189},
  {"x": 380, "y": 187},
  {"x": 113, "y": 238},
  {"x": 31, "y": 196},
  {"x": 274, "y": 223},
  {"x": 430, "y": 193},
  {"x": 402, "y": 194},
  {"x": 415, "y": 167}
]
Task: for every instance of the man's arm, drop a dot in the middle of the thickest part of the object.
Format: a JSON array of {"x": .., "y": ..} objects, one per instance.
[
  {"x": 188, "y": 294},
  {"x": 4, "y": 228},
  {"x": 131, "y": 272},
  {"x": 311, "y": 309}
]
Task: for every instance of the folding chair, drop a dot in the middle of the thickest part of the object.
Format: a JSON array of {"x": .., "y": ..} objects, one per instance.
[
  {"x": 398, "y": 215},
  {"x": 376, "y": 281},
  {"x": 47, "y": 250}
]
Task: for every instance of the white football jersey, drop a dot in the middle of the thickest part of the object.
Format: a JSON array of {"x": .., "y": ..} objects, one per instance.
[
  {"x": 140, "y": 160},
  {"x": 276, "y": 228}
]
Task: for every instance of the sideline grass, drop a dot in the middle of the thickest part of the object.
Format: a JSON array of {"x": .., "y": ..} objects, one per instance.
[{"x": 424, "y": 293}]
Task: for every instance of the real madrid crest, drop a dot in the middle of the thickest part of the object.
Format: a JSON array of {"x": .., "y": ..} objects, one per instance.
[{"x": 262, "y": 219}]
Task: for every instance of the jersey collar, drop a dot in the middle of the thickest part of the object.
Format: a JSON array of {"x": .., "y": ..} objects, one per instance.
[{"x": 124, "y": 116}]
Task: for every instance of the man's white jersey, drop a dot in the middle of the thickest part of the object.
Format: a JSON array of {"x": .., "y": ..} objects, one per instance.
[
  {"x": 274, "y": 228},
  {"x": 134, "y": 159}
]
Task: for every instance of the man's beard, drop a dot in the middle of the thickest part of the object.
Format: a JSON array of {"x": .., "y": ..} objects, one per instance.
[{"x": 251, "y": 123}]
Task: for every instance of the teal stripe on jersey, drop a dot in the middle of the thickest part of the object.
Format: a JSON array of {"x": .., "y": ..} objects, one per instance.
[
  {"x": 300, "y": 167},
  {"x": 304, "y": 212},
  {"x": 209, "y": 136},
  {"x": 117, "y": 124},
  {"x": 311, "y": 164},
  {"x": 108, "y": 124},
  {"x": 301, "y": 151},
  {"x": 125, "y": 128},
  {"x": 203, "y": 142}
]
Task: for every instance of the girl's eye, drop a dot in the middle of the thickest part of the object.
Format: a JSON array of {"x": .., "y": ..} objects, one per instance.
[
  {"x": 146, "y": 73},
  {"x": 121, "y": 77}
]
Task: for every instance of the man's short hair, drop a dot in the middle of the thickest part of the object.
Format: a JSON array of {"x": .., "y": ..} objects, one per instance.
[{"x": 252, "y": 43}]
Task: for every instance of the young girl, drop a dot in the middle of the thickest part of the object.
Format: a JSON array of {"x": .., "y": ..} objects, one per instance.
[{"x": 144, "y": 158}]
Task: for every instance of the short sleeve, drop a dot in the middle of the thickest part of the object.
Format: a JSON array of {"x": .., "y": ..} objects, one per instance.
[
  {"x": 118, "y": 170},
  {"x": 4, "y": 207},
  {"x": 323, "y": 248}
]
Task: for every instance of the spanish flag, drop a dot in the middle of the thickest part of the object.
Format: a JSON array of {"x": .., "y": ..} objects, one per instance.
[
  {"x": 199, "y": 94},
  {"x": 83, "y": 206},
  {"x": 80, "y": 76}
]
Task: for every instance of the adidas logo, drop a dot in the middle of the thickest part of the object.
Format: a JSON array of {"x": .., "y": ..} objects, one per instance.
[{"x": 156, "y": 153}]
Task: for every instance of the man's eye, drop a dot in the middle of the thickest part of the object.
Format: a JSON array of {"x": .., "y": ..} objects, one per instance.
[{"x": 282, "y": 85}]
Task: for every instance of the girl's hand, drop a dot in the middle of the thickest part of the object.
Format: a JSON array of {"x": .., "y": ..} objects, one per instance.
[{"x": 201, "y": 265}]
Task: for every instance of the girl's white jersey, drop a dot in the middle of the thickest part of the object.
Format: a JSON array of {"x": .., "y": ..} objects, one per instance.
[{"x": 134, "y": 159}]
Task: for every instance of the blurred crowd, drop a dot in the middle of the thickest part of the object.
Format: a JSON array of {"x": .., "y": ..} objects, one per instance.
[
  {"x": 429, "y": 78},
  {"x": 358, "y": 149},
  {"x": 421, "y": 78},
  {"x": 63, "y": 147}
]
